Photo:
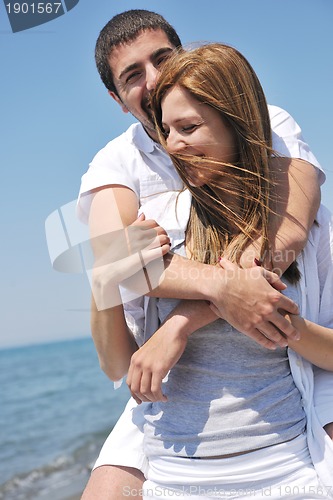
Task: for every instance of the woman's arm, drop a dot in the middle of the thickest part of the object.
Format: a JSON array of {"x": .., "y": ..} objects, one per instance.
[
  {"x": 151, "y": 363},
  {"x": 315, "y": 344}
]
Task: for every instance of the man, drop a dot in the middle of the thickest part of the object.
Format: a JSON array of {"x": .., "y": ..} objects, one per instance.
[{"x": 132, "y": 169}]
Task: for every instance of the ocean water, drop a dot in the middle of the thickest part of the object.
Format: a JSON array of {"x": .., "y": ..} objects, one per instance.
[{"x": 56, "y": 409}]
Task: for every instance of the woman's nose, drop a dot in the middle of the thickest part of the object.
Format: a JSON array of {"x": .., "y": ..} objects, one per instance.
[{"x": 175, "y": 143}]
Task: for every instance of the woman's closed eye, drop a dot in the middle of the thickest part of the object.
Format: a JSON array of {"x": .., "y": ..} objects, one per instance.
[
  {"x": 165, "y": 130},
  {"x": 190, "y": 128},
  {"x": 185, "y": 129}
]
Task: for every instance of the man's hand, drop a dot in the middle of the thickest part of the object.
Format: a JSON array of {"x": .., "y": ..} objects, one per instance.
[
  {"x": 144, "y": 236},
  {"x": 252, "y": 304},
  {"x": 122, "y": 254}
]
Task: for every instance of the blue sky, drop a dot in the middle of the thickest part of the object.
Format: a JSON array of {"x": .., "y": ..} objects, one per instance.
[{"x": 56, "y": 114}]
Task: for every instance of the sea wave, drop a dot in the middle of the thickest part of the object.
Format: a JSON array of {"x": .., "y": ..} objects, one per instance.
[
  {"x": 64, "y": 476},
  {"x": 57, "y": 407}
]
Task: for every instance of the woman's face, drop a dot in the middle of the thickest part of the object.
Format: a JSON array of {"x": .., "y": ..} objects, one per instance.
[{"x": 197, "y": 129}]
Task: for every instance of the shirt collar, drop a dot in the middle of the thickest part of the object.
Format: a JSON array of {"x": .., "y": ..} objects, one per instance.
[{"x": 142, "y": 140}]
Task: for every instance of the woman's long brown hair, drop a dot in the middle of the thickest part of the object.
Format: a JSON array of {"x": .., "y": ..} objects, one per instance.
[{"x": 219, "y": 76}]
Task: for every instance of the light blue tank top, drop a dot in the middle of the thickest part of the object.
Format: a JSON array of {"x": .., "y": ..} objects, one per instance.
[{"x": 226, "y": 395}]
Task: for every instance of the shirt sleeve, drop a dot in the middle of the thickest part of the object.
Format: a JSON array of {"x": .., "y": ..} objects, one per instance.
[
  {"x": 114, "y": 164},
  {"x": 323, "y": 393},
  {"x": 288, "y": 140},
  {"x": 135, "y": 318}
]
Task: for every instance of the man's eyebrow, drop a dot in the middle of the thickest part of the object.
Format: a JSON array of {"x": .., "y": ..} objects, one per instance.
[
  {"x": 154, "y": 55},
  {"x": 160, "y": 51}
]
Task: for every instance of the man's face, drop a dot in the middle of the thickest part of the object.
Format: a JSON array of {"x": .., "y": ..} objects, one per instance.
[{"x": 135, "y": 68}]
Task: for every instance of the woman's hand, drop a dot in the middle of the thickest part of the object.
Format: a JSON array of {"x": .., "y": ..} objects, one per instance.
[{"x": 152, "y": 362}]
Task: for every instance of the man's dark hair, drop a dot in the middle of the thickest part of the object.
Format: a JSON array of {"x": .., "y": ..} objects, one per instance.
[{"x": 123, "y": 28}]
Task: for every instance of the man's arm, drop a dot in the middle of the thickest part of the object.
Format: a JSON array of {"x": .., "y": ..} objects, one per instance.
[
  {"x": 148, "y": 366},
  {"x": 191, "y": 280},
  {"x": 244, "y": 299},
  {"x": 116, "y": 255},
  {"x": 115, "y": 208},
  {"x": 249, "y": 299},
  {"x": 295, "y": 202},
  {"x": 113, "y": 340}
]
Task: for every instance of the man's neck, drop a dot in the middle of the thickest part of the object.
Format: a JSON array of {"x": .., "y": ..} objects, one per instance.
[{"x": 151, "y": 133}]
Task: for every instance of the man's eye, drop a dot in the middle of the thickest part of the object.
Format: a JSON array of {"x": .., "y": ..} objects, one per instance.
[
  {"x": 133, "y": 77},
  {"x": 161, "y": 60}
]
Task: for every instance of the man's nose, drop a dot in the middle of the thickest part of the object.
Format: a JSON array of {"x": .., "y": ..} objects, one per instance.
[{"x": 151, "y": 77}]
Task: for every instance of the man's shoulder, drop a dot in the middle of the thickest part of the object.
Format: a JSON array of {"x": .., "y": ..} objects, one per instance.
[
  {"x": 324, "y": 216},
  {"x": 134, "y": 140},
  {"x": 275, "y": 111},
  {"x": 120, "y": 149},
  {"x": 126, "y": 138}
]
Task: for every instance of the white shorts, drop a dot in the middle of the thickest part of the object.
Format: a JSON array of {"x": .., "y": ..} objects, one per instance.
[
  {"x": 124, "y": 445},
  {"x": 282, "y": 471}
]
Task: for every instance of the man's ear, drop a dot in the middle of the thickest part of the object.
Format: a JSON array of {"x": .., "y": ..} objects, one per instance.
[{"x": 118, "y": 101}]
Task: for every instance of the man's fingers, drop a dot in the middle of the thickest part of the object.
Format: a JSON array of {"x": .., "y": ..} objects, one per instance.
[
  {"x": 158, "y": 241},
  {"x": 261, "y": 339},
  {"x": 227, "y": 265},
  {"x": 215, "y": 309},
  {"x": 288, "y": 305},
  {"x": 141, "y": 217},
  {"x": 285, "y": 327},
  {"x": 269, "y": 331},
  {"x": 140, "y": 239},
  {"x": 273, "y": 279}
]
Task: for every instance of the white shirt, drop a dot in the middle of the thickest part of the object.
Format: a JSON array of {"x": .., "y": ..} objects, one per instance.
[
  {"x": 134, "y": 160},
  {"x": 316, "y": 291},
  {"x": 314, "y": 384}
]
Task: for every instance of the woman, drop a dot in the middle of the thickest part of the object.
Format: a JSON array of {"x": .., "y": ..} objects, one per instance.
[{"x": 245, "y": 412}]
